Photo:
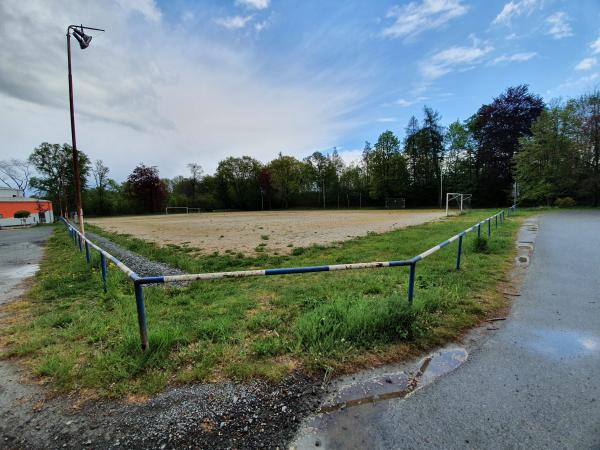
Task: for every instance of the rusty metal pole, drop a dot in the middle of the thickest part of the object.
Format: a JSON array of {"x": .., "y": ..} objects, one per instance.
[{"x": 76, "y": 177}]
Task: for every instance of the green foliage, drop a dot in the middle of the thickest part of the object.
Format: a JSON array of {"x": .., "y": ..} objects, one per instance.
[
  {"x": 21, "y": 214},
  {"x": 480, "y": 245},
  {"x": 565, "y": 202},
  {"x": 388, "y": 176},
  {"x": 423, "y": 147},
  {"x": 562, "y": 157},
  {"x": 239, "y": 182},
  {"x": 54, "y": 168}
]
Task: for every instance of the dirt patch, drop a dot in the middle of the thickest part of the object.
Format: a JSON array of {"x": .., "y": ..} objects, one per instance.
[{"x": 271, "y": 231}]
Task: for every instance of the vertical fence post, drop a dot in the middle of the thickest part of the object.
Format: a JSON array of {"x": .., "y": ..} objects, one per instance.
[
  {"x": 459, "y": 252},
  {"x": 87, "y": 253},
  {"x": 479, "y": 229},
  {"x": 141, "y": 313},
  {"x": 489, "y": 228},
  {"x": 79, "y": 241},
  {"x": 496, "y": 220},
  {"x": 103, "y": 270},
  {"x": 411, "y": 283}
]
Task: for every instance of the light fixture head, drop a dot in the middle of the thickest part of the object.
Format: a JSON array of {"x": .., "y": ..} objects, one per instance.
[{"x": 83, "y": 39}]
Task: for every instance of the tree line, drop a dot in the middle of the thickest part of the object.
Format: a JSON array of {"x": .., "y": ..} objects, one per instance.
[{"x": 551, "y": 152}]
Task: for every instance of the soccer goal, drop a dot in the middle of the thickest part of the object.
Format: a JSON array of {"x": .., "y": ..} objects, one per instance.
[
  {"x": 177, "y": 210},
  {"x": 459, "y": 201},
  {"x": 395, "y": 203}
]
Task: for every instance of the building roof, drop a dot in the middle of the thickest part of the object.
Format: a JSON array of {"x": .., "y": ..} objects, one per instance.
[{"x": 23, "y": 199}]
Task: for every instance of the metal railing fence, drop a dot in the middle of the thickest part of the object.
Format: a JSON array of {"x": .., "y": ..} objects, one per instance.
[{"x": 85, "y": 244}]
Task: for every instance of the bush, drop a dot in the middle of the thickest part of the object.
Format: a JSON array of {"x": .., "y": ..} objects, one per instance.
[
  {"x": 480, "y": 245},
  {"x": 565, "y": 202},
  {"x": 22, "y": 214}
]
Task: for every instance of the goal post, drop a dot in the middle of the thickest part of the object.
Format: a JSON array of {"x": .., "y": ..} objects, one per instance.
[
  {"x": 181, "y": 210},
  {"x": 462, "y": 201},
  {"x": 177, "y": 210}
]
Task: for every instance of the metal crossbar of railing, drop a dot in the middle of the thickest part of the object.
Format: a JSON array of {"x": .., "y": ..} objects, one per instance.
[{"x": 138, "y": 282}]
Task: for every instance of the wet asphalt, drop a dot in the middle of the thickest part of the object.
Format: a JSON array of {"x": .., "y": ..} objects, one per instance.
[
  {"x": 534, "y": 383},
  {"x": 20, "y": 251}
]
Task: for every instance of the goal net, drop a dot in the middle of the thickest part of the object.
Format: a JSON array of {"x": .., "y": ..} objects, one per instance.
[
  {"x": 395, "y": 203},
  {"x": 456, "y": 201},
  {"x": 177, "y": 210}
]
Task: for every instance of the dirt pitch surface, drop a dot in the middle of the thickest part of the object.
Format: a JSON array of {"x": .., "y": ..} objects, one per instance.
[{"x": 275, "y": 231}]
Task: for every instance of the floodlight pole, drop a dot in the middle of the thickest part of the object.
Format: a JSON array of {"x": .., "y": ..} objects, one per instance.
[{"x": 77, "y": 179}]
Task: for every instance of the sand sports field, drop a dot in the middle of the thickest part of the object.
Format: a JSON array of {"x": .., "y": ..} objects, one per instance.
[{"x": 271, "y": 231}]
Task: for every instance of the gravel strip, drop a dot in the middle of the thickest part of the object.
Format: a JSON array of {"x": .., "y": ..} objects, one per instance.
[
  {"x": 255, "y": 415},
  {"x": 144, "y": 267}
]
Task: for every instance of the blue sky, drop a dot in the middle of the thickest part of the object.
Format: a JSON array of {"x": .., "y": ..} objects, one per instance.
[{"x": 172, "y": 82}]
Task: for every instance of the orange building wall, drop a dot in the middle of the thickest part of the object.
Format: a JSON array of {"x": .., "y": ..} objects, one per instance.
[{"x": 8, "y": 209}]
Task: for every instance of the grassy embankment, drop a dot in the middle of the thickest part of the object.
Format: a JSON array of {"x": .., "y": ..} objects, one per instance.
[{"x": 71, "y": 333}]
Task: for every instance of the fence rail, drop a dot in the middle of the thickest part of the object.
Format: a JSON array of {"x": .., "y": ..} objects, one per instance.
[{"x": 138, "y": 282}]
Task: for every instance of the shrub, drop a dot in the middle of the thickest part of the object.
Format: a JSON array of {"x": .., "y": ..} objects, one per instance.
[
  {"x": 565, "y": 202},
  {"x": 22, "y": 214},
  {"x": 480, "y": 245}
]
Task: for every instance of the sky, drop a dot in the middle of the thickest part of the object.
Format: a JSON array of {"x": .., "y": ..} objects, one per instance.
[{"x": 180, "y": 81}]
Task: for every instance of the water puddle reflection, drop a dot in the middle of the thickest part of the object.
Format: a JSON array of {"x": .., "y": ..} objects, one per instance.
[
  {"x": 339, "y": 413},
  {"x": 18, "y": 272},
  {"x": 563, "y": 344}
]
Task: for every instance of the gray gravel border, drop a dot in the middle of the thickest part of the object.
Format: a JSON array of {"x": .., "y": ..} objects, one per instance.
[{"x": 139, "y": 264}]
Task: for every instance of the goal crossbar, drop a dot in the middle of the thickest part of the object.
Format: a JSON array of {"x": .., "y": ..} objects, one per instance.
[
  {"x": 459, "y": 197},
  {"x": 187, "y": 210}
]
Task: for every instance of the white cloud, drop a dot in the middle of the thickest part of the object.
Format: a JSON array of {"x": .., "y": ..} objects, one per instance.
[
  {"x": 514, "y": 9},
  {"x": 575, "y": 86},
  {"x": 404, "y": 103},
  {"x": 254, "y": 4},
  {"x": 233, "y": 22},
  {"x": 595, "y": 46},
  {"x": 515, "y": 57},
  {"x": 387, "y": 119},
  {"x": 170, "y": 98},
  {"x": 453, "y": 58},
  {"x": 559, "y": 26},
  {"x": 259, "y": 26},
  {"x": 350, "y": 157},
  {"x": 586, "y": 64},
  {"x": 146, "y": 8},
  {"x": 416, "y": 17}
]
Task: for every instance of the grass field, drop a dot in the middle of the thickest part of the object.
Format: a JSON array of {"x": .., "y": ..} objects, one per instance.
[
  {"x": 252, "y": 232},
  {"x": 67, "y": 331}
]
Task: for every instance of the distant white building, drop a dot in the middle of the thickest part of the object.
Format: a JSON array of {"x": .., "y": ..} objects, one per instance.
[{"x": 6, "y": 192}]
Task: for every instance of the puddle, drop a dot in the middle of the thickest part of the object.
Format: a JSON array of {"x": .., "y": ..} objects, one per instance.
[
  {"x": 563, "y": 344},
  {"x": 397, "y": 384},
  {"x": 18, "y": 272},
  {"x": 372, "y": 395}
]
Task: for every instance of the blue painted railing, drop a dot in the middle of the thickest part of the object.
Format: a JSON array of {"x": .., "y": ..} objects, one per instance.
[{"x": 138, "y": 282}]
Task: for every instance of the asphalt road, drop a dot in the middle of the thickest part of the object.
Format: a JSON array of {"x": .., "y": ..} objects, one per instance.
[
  {"x": 534, "y": 383},
  {"x": 20, "y": 251}
]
